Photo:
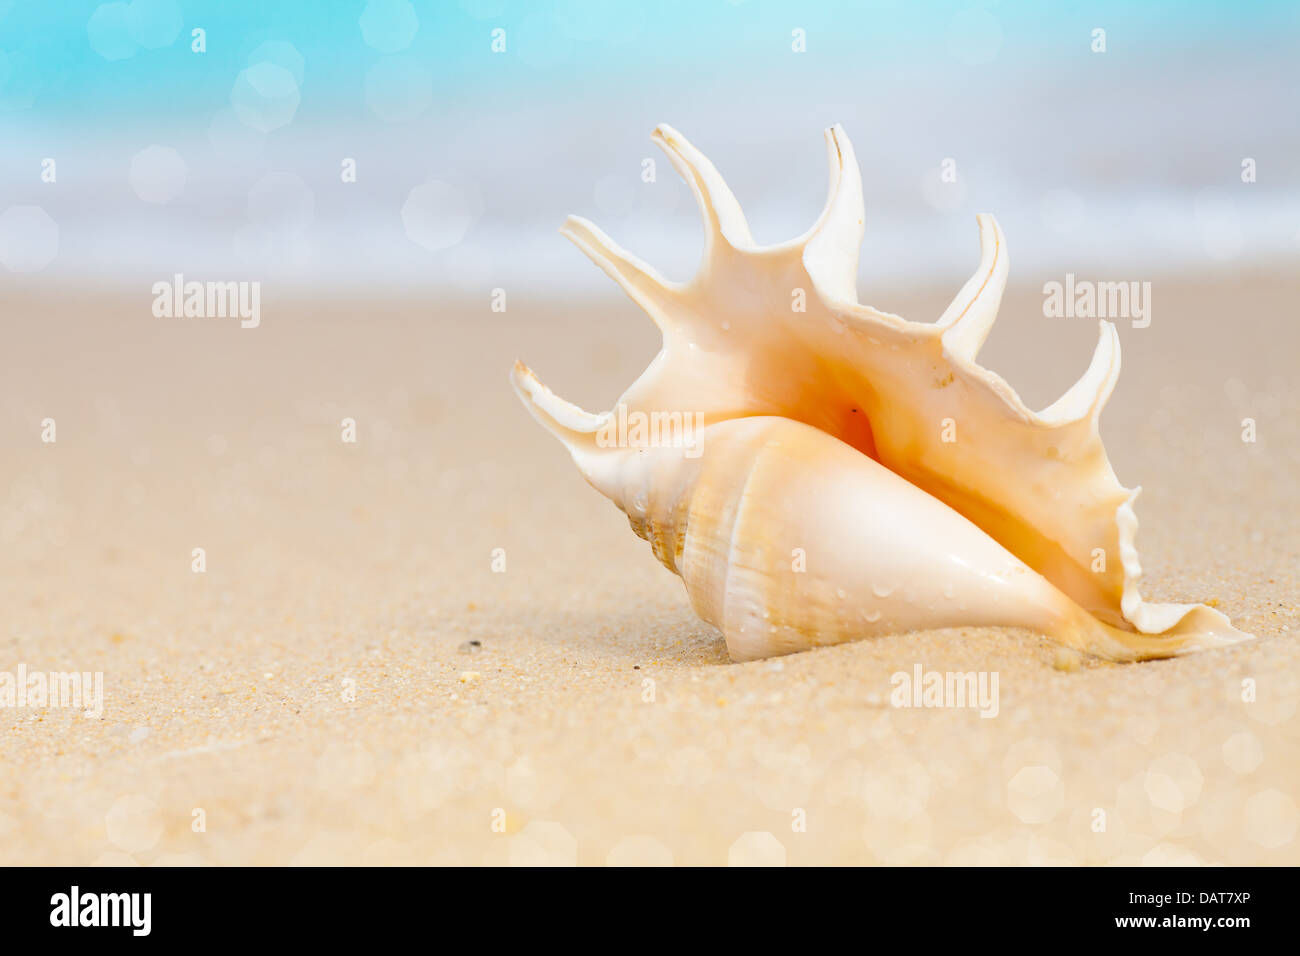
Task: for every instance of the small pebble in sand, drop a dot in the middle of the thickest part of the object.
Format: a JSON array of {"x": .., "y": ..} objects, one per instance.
[
  {"x": 469, "y": 677},
  {"x": 1066, "y": 660}
]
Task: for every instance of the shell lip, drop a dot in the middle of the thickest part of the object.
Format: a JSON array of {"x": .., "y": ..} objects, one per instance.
[{"x": 560, "y": 417}]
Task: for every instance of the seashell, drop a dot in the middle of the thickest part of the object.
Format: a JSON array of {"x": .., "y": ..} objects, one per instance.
[{"x": 841, "y": 473}]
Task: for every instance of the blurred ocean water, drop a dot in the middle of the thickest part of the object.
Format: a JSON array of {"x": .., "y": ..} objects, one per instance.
[{"x": 438, "y": 145}]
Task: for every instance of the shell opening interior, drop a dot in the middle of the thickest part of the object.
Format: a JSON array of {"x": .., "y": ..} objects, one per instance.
[{"x": 855, "y": 429}]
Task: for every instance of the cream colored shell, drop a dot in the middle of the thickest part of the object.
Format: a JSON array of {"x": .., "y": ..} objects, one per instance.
[{"x": 858, "y": 474}]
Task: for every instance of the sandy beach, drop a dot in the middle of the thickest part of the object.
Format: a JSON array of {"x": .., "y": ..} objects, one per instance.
[{"x": 350, "y": 681}]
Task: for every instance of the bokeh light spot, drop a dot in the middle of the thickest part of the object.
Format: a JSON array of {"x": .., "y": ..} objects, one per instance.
[
  {"x": 389, "y": 25},
  {"x": 154, "y": 23},
  {"x": 29, "y": 239},
  {"x": 756, "y": 849},
  {"x": 1173, "y": 783},
  {"x": 1243, "y": 752},
  {"x": 134, "y": 823},
  {"x": 283, "y": 54},
  {"x": 437, "y": 215},
  {"x": 265, "y": 96},
  {"x": 158, "y": 174},
  {"x": 1035, "y": 794},
  {"x": 109, "y": 30}
]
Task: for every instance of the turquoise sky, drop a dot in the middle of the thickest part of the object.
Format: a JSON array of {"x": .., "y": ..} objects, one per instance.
[
  {"x": 49, "y": 63},
  {"x": 229, "y": 159}
]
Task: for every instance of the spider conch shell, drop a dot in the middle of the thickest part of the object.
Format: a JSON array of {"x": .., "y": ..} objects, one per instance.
[{"x": 857, "y": 474}]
